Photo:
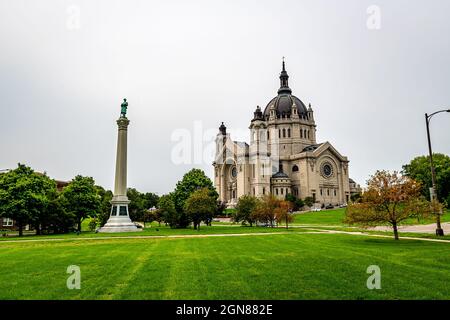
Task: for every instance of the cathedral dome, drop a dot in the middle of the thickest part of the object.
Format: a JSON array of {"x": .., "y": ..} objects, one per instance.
[
  {"x": 283, "y": 104},
  {"x": 284, "y": 100}
]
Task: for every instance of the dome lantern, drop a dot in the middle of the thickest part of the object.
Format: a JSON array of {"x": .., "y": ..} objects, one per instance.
[{"x": 284, "y": 81}]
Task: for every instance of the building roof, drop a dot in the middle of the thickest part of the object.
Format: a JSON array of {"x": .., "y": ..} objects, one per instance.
[{"x": 280, "y": 174}]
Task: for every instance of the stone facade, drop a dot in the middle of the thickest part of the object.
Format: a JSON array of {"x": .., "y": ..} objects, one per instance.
[{"x": 283, "y": 156}]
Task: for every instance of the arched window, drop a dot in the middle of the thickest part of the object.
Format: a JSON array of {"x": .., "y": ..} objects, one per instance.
[
  {"x": 276, "y": 191},
  {"x": 282, "y": 191},
  {"x": 308, "y": 134},
  {"x": 295, "y": 168},
  {"x": 289, "y": 132},
  {"x": 268, "y": 135},
  {"x": 284, "y": 133},
  {"x": 301, "y": 133},
  {"x": 304, "y": 133},
  {"x": 264, "y": 191},
  {"x": 279, "y": 133}
]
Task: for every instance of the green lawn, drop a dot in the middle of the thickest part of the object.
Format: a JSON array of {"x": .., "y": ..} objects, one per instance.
[
  {"x": 283, "y": 266},
  {"x": 298, "y": 265},
  {"x": 335, "y": 217},
  {"x": 324, "y": 217}
]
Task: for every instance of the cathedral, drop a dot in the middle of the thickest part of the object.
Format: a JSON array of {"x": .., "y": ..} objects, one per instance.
[{"x": 283, "y": 156}]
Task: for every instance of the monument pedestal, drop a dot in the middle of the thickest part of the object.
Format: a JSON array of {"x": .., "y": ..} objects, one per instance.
[{"x": 119, "y": 221}]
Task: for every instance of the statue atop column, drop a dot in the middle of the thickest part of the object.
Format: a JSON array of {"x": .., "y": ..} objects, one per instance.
[{"x": 124, "y": 106}]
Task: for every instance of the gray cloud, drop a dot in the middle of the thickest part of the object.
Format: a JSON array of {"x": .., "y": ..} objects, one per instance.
[{"x": 182, "y": 61}]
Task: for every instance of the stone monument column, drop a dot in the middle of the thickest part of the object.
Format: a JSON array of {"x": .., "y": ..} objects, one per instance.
[{"x": 119, "y": 220}]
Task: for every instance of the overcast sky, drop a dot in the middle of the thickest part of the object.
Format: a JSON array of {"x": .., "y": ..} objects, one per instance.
[{"x": 65, "y": 67}]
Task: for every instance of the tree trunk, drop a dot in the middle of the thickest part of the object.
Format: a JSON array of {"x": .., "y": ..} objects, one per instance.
[
  {"x": 79, "y": 226},
  {"x": 394, "y": 225},
  {"x": 20, "y": 229},
  {"x": 287, "y": 225}
]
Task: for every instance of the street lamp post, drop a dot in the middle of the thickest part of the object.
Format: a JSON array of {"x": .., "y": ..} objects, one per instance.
[{"x": 439, "y": 230}]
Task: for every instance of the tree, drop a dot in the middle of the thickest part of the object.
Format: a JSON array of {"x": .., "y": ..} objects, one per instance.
[
  {"x": 390, "y": 198},
  {"x": 159, "y": 216},
  {"x": 105, "y": 205},
  {"x": 265, "y": 210},
  {"x": 137, "y": 206},
  {"x": 150, "y": 200},
  {"x": 191, "y": 182},
  {"x": 200, "y": 206},
  {"x": 245, "y": 210},
  {"x": 81, "y": 199},
  {"x": 150, "y": 216},
  {"x": 355, "y": 197},
  {"x": 309, "y": 201},
  {"x": 221, "y": 206},
  {"x": 283, "y": 212},
  {"x": 297, "y": 203},
  {"x": 419, "y": 170},
  {"x": 24, "y": 196},
  {"x": 57, "y": 219},
  {"x": 167, "y": 207},
  {"x": 93, "y": 224}
]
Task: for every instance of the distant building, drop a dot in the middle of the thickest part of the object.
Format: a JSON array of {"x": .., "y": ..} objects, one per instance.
[
  {"x": 354, "y": 187},
  {"x": 283, "y": 156}
]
